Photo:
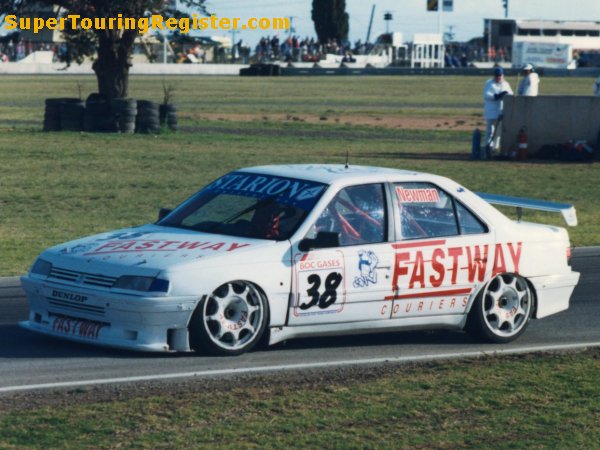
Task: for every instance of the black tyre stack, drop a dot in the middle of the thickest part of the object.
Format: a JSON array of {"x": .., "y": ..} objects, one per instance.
[
  {"x": 147, "y": 120},
  {"x": 96, "y": 114},
  {"x": 71, "y": 115},
  {"x": 168, "y": 116},
  {"x": 52, "y": 112},
  {"x": 261, "y": 70},
  {"x": 97, "y": 117},
  {"x": 124, "y": 113}
]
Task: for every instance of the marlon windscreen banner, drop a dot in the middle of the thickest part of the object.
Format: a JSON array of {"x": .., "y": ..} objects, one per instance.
[{"x": 553, "y": 56}]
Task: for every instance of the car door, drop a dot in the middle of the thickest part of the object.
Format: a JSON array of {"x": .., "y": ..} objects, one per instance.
[
  {"x": 347, "y": 280},
  {"x": 442, "y": 254}
]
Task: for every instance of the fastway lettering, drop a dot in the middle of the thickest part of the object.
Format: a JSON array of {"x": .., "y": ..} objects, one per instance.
[
  {"x": 163, "y": 246},
  {"x": 434, "y": 266},
  {"x": 75, "y": 327}
]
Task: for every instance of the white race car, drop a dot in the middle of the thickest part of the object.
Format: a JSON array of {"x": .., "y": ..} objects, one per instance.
[{"x": 276, "y": 252}]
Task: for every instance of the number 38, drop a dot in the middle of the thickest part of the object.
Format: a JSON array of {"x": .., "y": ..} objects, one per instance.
[{"x": 328, "y": 297}]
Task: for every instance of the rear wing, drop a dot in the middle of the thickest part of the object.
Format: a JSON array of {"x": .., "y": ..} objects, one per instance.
[{"x": 567, "y": 210}]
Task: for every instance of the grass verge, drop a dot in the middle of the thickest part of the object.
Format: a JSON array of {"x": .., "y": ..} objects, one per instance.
[
  {"x": 533, "y": 401},
  {"x": 59, "y": 186}
]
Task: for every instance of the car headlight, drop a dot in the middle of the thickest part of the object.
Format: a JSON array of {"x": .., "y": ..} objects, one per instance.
[
  {"x": 41, "y": 267},
  {"x": 142, "y": 284}
]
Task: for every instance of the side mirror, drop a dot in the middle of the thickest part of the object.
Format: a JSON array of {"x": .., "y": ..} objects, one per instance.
[
  {"x": 324, "y": 239},
  {"x": 163, "y": 212}
]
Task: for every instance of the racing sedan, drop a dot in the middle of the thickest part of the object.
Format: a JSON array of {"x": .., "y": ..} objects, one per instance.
[{"x": 266, "y": 254}]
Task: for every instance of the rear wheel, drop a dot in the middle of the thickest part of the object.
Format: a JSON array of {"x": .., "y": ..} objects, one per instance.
[
  {"x": 502, "y": 311},
  {"x": 231, "y": 320}
]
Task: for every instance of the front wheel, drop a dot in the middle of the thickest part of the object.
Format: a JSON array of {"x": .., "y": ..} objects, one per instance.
[
  {"x": 230, "y": 321},
  {"x": 502, "y": 311}
]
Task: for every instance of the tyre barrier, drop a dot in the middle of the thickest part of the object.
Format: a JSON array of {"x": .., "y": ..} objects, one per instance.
[
  {"x": 52, "y": 113},
  {"x": 97, "y": 117},
  {"x": 147, "y": 119},
  {"x": 71, "y": 116},
  {"x": 96, "y": 114},
  {"x": 168, "y": 116},
  {"x": 124, "y": 113},
  {"x": 261, "y": 70}
]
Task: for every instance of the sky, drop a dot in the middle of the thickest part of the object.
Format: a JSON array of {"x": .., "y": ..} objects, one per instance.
[{"x": 409, "y": 16}]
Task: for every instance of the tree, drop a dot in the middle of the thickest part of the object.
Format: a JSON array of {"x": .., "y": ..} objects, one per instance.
[
  {"x": 331, "y": 20},
  {"x": 111, "y": 48}
]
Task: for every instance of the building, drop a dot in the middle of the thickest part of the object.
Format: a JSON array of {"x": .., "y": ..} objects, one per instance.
[
  {"x": 581, "y": 35},
  {"x": 427, "y": 51}
]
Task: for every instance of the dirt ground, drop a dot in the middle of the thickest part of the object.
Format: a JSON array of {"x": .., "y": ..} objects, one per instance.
[{"x": 462, "y": 123}]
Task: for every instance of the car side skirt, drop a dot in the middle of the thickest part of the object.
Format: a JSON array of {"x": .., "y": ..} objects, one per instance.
[{"x": 450, "y": 321}]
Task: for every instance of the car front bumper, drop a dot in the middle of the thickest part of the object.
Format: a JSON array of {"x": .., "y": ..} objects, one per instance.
[{"x": 155, "y": 324}]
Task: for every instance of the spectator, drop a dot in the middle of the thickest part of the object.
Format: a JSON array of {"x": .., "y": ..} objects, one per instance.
[
  {"x": 348, "y": 57},
  {"x": 11, "y": 51},
  {"x": 494, "y": 91},
  {"x": 528, "y": 86},
  {"x": 597, "y": 87}
]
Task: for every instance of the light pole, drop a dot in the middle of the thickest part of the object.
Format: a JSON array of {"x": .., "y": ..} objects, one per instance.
[
  {"x": 233, "y": 44},
  {"x": 291, "y": 29},
  {"x": 388, "y": 17}
]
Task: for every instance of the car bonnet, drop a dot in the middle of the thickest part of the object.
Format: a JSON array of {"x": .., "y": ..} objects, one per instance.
[{"x": 149, "y": 246}]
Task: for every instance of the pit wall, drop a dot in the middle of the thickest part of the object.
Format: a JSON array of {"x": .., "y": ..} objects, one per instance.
[
  {"x": 37, "y": 68},
  {"x": 550, "y": 120}
]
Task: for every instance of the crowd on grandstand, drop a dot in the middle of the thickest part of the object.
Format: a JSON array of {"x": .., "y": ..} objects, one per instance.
[
  {"x": 296, "y": 49},
  {"x": 268, "y": 49},
  {"x": 13, "y": 51}
]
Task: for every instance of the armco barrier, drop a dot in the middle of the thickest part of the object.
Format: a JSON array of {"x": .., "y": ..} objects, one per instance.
[
  {"x": 36, "y": 68},
  {"x": 136, "y": 69}
]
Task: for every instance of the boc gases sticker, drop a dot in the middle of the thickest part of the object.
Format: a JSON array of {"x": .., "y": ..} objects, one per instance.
[{"x": 320, "y": 283}]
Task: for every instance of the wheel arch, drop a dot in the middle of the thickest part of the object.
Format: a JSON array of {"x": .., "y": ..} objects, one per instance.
[{"x": 534, "y": 296}]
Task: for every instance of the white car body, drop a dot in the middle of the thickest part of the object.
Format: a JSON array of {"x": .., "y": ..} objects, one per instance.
[{"x": 396, "y": 284}]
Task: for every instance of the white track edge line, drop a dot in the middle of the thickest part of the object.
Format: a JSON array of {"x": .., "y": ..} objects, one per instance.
[{"x": 318, "y": 365}]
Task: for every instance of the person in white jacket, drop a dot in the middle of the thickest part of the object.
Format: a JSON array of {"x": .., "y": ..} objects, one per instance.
[
  {"x": 494, "y": 91},
  {"x": 528, "y": 86}
]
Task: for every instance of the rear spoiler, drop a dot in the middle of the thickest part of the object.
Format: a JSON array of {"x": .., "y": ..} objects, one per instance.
[{"x": 567, "y": 210}]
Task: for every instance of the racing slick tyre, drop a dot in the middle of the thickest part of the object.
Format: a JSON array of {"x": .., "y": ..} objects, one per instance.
[
  {"x": 502, "y": 310},
  {"x": 230, "y": 321}
]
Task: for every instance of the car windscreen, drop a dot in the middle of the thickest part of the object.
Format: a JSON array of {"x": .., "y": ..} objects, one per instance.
[{"x": 248, "y": 205}]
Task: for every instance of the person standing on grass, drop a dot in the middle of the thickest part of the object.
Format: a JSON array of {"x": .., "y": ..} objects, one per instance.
[
  {"x": 528, "y": 86},
  {"x": 494, "y": 91}
]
